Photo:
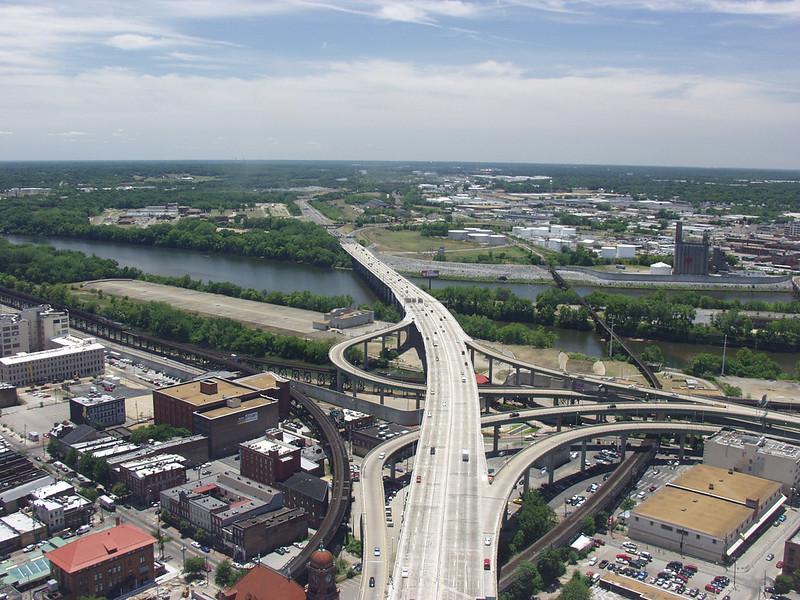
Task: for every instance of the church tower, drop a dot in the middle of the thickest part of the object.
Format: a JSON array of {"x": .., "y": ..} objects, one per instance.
[{"x": 322, "y": 577}]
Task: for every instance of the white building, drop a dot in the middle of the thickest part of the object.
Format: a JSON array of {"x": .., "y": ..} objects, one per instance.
[
  {"x": 755, "y": 455},
  {"x": 608, "y": 252},
  {"x": 31, "y": 330},
  {"x": 72, "y": 357}
]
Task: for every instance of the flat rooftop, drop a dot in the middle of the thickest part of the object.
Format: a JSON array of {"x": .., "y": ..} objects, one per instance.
[
  {"x": 733, "y": 486},
  {"x": 245, "y": 405},
  {"x": 267, "y": 445},
  {"x": 765, "y": 445},
  {"x": 692, "y": 511},
  {"x": 190, "y": 391}
]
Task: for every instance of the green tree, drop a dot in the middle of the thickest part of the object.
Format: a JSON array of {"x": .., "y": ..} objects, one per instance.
[
  {"x": 89, "y": 493},
  {"x": 627, "y": 504},
  {"x": 101, "y": 472},
  {"x": 526, "y": 583},
  {"x": 577, "y": 588},
  {"x": 120, "y": 490},
  {"x": 550, "y": 566},
  {"x": 53, "y": 448},
  {"x": 72, "y": 458},
  {"x": 225, "y": 575},
  {"x": 166, "y": 515},
  {"x": 183, "y": 527},
  {"x": 589, "y": 527},
  {"x": 93, "y": 597},
  {"x": 652, "y": 354},
  {"x": 194, "y": 565},
  {"x": 783, "y": 584},
  {"x": 200, "y": 535}
]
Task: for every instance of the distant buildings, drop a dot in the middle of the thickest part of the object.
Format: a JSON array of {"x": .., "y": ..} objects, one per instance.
[{"x": 108, "y": 563}]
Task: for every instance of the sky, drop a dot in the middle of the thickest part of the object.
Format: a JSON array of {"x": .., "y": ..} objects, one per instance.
[{"x": 706, "y": 83}]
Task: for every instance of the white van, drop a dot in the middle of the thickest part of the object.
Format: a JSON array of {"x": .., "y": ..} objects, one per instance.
[
  {"x": 645, "y": 555},
  {"x": 83, "y": 529}
]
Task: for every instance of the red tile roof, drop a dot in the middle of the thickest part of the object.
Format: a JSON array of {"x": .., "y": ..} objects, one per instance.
[
  {"x": 97, "y": 547},
  {"x": 262, "y": 583}
]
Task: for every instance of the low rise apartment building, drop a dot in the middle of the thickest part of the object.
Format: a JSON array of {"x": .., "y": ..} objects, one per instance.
[
  {"x": 105, "y": 410},
  {"x": 108, "y": 563},
  {"x": 147, "y": 477}
]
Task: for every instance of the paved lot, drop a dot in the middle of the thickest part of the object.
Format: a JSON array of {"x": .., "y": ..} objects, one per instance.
[{"x": 269, "y": 317}]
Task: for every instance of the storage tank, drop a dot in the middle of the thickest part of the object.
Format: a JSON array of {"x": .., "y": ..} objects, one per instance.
[
  {"x": 497, "y": 240},
  {"x": 480, "y": 238},
  {"x": 608, "y": 252},
  {"x": 556, "y": 244},
  {"x": 660, "y": 268},
  {"x": 626, "y": 251},
  {"x": 457, "y": 234}
]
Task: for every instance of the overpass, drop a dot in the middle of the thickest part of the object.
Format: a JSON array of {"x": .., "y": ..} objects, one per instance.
[{"x": 440, "y": 550}]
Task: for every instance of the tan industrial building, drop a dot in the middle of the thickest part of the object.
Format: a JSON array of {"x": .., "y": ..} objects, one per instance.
[{"x": 707, "y": 512}]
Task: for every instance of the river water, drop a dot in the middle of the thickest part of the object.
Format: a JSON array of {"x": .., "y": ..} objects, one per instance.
[{"x": 286, "y": 277}]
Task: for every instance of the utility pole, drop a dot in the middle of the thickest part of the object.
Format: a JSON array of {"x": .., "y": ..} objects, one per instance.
[
  {"x": 611, "y": 340},
  {"x": 724, "y": 348}
]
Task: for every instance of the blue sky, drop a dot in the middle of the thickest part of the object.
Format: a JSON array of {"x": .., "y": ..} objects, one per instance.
[{"x": 711, "y": 83}]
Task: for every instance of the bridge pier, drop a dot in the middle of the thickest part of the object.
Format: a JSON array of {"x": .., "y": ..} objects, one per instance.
[
  {"x": 491, "y": 363},
  {"x": 496, "y": 438},
  {"x": 517, "y": 371},
  {"x": 382, "y": 394},
  {"x": 526, "y": 481},
  {"x": 339, "y": 380},
  {"x": 623, "y": 445},
  {"x": 418, "y": 403},
  {"x": 583, "y": 454},
  {"x": 392, "y": 466},
  {"x": 551, "y": 467},
  {"x": 558, "y": 423},
  {"x": 682, "y": 446},
  {"x": 364, "y": 366}
]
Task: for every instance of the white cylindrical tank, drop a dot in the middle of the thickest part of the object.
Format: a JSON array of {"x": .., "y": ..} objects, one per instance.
[
  {"x": 497, "y": 240},
  {"x": 660, "y": 268},
  {"x": 608, "y": 252},
  {"x": 626, "y": 251}
]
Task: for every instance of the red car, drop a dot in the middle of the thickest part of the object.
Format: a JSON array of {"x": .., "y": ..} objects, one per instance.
[
  {"x": 419, "y": 478},
  {"x": 598, "y": 542},
  {"x": 487, "y": 564},
  {"x": 779, "y": 564}
]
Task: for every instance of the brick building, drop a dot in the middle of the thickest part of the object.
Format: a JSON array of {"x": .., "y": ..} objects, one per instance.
[
  {"x": 268, "y": 460},
  {"x": 147, "y": 477},
  {"x": 227, "y": 412},
  {"x": 107, "y": 563},
  {"x": 257, "y": 536}
]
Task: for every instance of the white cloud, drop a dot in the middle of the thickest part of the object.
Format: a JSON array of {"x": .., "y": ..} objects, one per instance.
[{"x": 394, "y": 110}]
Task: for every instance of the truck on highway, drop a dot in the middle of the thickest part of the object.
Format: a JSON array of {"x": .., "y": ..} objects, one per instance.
[
  {"x": 465, "y": 454},
  {"x": 107, "y": 502}
]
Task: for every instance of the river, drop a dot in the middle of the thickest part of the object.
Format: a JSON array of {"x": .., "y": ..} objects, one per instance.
[{"x": 262, "y": 274}]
